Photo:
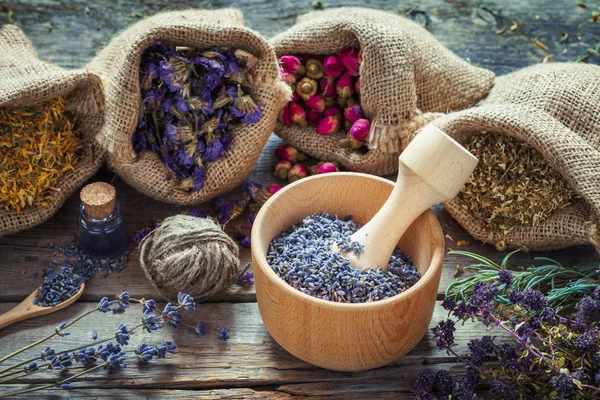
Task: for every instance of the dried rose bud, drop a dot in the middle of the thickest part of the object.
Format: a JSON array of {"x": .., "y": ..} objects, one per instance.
[
  {"x": 360, "y": 130},
  {"x": 341, "y": 101},
  {"x": 333, "y": 67},
  {"x": 274, "y": 189},
  {"x": 285, "y": 115},
  {"x": 287, "y": 77},
  {"x": 328, "y": 125},
  {"x": 349, "y": 58},
  {"x": 325, "y": 167},
  {"x": 297, "y": 172},
  {"x": 306, "y": 88},
  {"x": 282, "y": 169},
  {"x": 327, "y": 86},
  {"x": 332, "y": 110},
  {"x": 357, "y": 85},
  {"x": 347, "y": 143},
  {"x": 292, "y": 65},
  {"x": 350, "y": 101},
  {"x": 298, "y": 114},
  {"x": 329, "y": 101},
  {"x": 295, "y": 96},
  {"x": 316, "y": 102},
  {"x": 345, "y": 86},
  {"x": 353, "y": 112},
  {"x": 314, "y": 69},
  {"x": 313, "y": 116},
  {"x": 289, "y": 153}
]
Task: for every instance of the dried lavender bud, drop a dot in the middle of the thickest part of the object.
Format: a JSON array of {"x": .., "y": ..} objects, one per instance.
[
  {"x": 297, "y": 172},
  {"x": 282, "y": 169},
  {"x": 327, "y": 86},
  {"x": 314, "y": 69},
  {"x": 328, "y": 125},
  {"x": 291, "y": 255},
  {"x": 316, "y": 103},
  {"x": 58, "y": 287},
  {"x": 360, "y": 130},
  {"x": 306, "y": 88},
  {"x": 333, "y": 67},
  {"x": 349, "y": 58}
]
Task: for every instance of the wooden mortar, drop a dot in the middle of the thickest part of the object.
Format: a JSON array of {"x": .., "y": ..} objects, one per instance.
[{"x": 339, "y": 336}]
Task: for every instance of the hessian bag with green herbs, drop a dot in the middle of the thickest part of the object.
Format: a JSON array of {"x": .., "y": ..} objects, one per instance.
[
  {"x": 27, "y": 81},
  {"x": 555, "y": 109},
  {"x": 119, "y": 67},
  {"x": 407, "y": 79}
]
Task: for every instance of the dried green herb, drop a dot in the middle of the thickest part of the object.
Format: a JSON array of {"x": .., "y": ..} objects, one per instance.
[
  {"x": 38, "y": 145},
  {"x": 512, "y": 184}
]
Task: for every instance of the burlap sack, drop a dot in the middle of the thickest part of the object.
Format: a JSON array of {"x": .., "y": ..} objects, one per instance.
[
  {"x": 554, "y": 108},
  {"x": 25, "y": 80},
  {"x": 407, "y": 79},
  {"x": 118, "y": 65}
]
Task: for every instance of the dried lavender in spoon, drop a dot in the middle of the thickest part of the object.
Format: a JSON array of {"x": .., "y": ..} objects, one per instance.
[{"x": 302, "y": 257}]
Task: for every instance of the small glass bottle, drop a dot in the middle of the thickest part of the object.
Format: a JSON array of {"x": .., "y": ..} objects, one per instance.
[{"x": 101, "y": 230}]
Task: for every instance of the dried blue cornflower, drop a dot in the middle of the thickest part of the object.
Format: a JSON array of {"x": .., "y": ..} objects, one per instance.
[
  {"x": 59, "y": 329},
  {"x": 164, "y": 348},
  {"x": 188, "y": 108},
  {"x": 186, "y": 302},
  {"x": 152, "y": 322},
  {"x": 224, "y": 334},
  {"x": 200, "y": 329},
  {"x": 104, "y": 305},
  {"x": 122, "y": 334},
  {"x": 172, "y": 314}
]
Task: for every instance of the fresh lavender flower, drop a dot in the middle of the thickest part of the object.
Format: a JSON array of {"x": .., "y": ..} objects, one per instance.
[
  {"x": 152, "y": 322},
  {"x": 172, "y": 314},
  {"x": 59, "y": 329},
  {"x": 224, "y": 334},
  {"x": 200, "y": 328},
  {"x": 164, "y": 348},
  {"x": 122, "y": 334},
  {"x": 186, "y": 302}
]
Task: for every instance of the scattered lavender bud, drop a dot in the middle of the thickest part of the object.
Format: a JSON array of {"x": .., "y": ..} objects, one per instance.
[
  {"x": 200, "y": 328},
  {"x": 224, "y": 334},
  {"x": 94, "y": 335}
]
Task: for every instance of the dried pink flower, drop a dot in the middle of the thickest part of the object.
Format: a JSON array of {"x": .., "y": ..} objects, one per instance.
[
  {"x": 327, "y": 86},
  {"x": 292, "y": 65},
  {"x": 297, "y": 172},
  {"x": 345, "y": 86},
  {"x": 360, "y": 130},
  {"x": 317, "y": 102},
  {"x": 353, "y": 113},
  {"x": 282, "y": 169},
  {"x": 328, "y": 125},
  {"x": 333, "y": 67},
  {"x": 349, "y": 58}
]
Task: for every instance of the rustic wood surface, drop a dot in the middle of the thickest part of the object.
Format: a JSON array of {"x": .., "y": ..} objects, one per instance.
[{"x": 251, "y": 364}]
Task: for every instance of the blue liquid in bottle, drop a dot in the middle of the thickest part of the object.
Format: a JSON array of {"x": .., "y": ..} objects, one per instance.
[{"x": 102, "y": 237}]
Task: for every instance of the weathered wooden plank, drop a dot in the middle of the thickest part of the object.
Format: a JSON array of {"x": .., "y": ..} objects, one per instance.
[
  {"x": 463, "y": 26},
  {"x": 250, "y": 358}
]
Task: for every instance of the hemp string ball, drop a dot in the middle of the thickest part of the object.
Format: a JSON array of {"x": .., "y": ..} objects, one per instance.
[{"x": 191, "y": 255}]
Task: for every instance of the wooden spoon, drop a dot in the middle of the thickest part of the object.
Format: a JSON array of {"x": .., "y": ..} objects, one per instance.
[
  {"x": 433, "y": 168},
  {"x": 26, "y": 309}
]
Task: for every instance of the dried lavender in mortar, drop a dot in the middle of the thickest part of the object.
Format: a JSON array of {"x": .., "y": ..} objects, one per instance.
[
  {"x": 302, "y": 257},
  {"x": 190, "y": 100}
]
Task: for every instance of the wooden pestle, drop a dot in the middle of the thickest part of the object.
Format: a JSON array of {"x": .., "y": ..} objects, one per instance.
[{"x": 432, "y": 169}]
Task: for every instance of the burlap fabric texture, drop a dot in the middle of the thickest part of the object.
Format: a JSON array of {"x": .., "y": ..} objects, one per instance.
[
  {"x": 407, "y": 79},
  {"x": 554, "y": 108},
  {"x": 25, "y": 80},
  {"x": 118, "y": 66}
]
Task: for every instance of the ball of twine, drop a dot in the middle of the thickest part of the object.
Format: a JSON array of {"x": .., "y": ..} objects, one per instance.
[{"x": 191, "y": 255}]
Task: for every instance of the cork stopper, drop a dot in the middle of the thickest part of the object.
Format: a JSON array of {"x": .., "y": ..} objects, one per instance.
[{"x": 98, "y": 199}]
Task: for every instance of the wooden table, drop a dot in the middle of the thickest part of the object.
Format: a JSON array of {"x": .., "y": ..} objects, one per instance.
[{"x": 251, "y": 364}]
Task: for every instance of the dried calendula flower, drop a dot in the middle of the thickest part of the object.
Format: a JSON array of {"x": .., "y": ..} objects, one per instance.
[
  {"x": 38, "y": 145},
  {"x": 512, "y": 184}
]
